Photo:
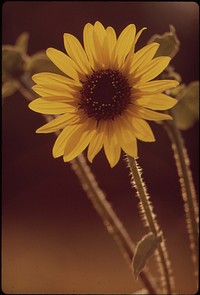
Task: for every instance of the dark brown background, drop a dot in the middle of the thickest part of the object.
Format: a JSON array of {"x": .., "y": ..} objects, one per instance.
[{"x": 53, "y": 240}]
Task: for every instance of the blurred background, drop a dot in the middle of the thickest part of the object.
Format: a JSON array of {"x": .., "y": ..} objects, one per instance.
[{"x": 53, "y": 241}]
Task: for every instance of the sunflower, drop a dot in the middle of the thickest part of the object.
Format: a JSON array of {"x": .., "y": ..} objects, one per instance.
[{"x": 105, "y": 94}]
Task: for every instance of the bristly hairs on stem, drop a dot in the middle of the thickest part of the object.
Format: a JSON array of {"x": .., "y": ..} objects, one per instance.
[{"x": 149, "y": 219}]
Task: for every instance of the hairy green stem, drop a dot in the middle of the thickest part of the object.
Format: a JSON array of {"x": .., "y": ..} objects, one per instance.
[
  {"x": 102, "y": 206},
  {"x": 187, "y": 188},
  {"x": 150, "y": 221}
]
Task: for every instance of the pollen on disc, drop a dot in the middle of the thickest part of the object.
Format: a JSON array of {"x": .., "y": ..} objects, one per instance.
[{"x": 105, "y": 94}]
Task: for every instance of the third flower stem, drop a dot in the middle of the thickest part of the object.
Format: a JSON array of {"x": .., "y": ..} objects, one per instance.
[{"x": 187, "y": 187}]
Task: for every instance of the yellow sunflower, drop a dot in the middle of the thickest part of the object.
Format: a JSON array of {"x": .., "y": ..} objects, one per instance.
[{"x": 105, "y": 94}]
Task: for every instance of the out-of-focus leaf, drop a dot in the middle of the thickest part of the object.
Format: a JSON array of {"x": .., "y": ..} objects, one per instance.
[
  {"x": 186, "y": 112},
  {"x": 13, "y": 62},
  {"x": 169, "y": 43},
  {"x": 144, "y": 249},
  {"x": 22, "y": 42},
  {"x": 8, "y": 88},
  {"x": 39, "y": 62}
]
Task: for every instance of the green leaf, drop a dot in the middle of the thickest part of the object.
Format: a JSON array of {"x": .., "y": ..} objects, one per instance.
[
  {"x": 144, "y": 249},
  {"x": 13, "y": 62},
  {"x": 169, "y": 43},
  {"x": 186, "y": 112},
  {"x": 22, "y": 42},
  {"x": 39, "y": 62}
]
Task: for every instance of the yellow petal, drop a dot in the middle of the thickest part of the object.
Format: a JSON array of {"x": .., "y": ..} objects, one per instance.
[
  {"x": 152, "y": 69},
  {"x": 60, "y": 143},
  {"x": 111, "y": 145},
  {"x": 96, "y": 142},
  {"x": 156, "y": 102},
  {"x": 98, "y": 53},
  {"x": 63, "y": 62},
  {"x": 156, "y": 86},
  {"x": 59, "y": 123},
  {"x": 77, "y": 53},
  {"x": 89, "y": 43},
  {"x": 146, "y": 114},
  {"x": 79, "y": 140},
  {"x": 130, "y": 57},
  {"x": 45, "y": 78},
  {"x": 60, "y": 99},
  {"x": 100, "y": 32},
  {"x": 141, "y": 129},
  {"x": 124, "y": 43},
  {"x": 139, "y": 34},
  {"x": 126, "y": 136},
  {"x": 55, "y": 90},
  {"x": 44, "y": 106},
  {"x": 49, "y": 83},
  {"x": 108, "y": 48},
  {"x": 143, "y": 56}
]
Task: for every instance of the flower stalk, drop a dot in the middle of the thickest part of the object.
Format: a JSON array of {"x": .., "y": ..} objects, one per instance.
[
  {"x": 100, "y": 203},
  {"x": 167, "y": 281},
  {"x": 187, "y": 188}
]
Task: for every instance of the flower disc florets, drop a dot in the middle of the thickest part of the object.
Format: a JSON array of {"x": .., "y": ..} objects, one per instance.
[{"x": 105, "y": 94}]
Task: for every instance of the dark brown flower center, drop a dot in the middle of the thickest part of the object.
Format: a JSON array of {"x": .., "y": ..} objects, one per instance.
[{"x": 105, "y": 94}]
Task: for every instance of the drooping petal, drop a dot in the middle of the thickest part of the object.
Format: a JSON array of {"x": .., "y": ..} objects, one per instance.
[
  {"x": 77, "y": 53},
  {"x": 141, "y": 129},
  {"x": 59, "y": 123},
  {"x": 126, "y": 136},
  {"x": 111, "y": 145},
  {"x": 63, "y": 62},
  {"x": 45, "y": 106},
  {"x": 96, "y": 142},
  {"x": 124, "y": 44},
  {"x": 159, "y": 101},
  {"x": 60, "y": 143},
  {"x": 79, "y": 140}
]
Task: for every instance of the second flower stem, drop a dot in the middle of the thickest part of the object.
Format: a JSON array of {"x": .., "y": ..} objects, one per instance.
[{"x": 150, "y": 221}]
